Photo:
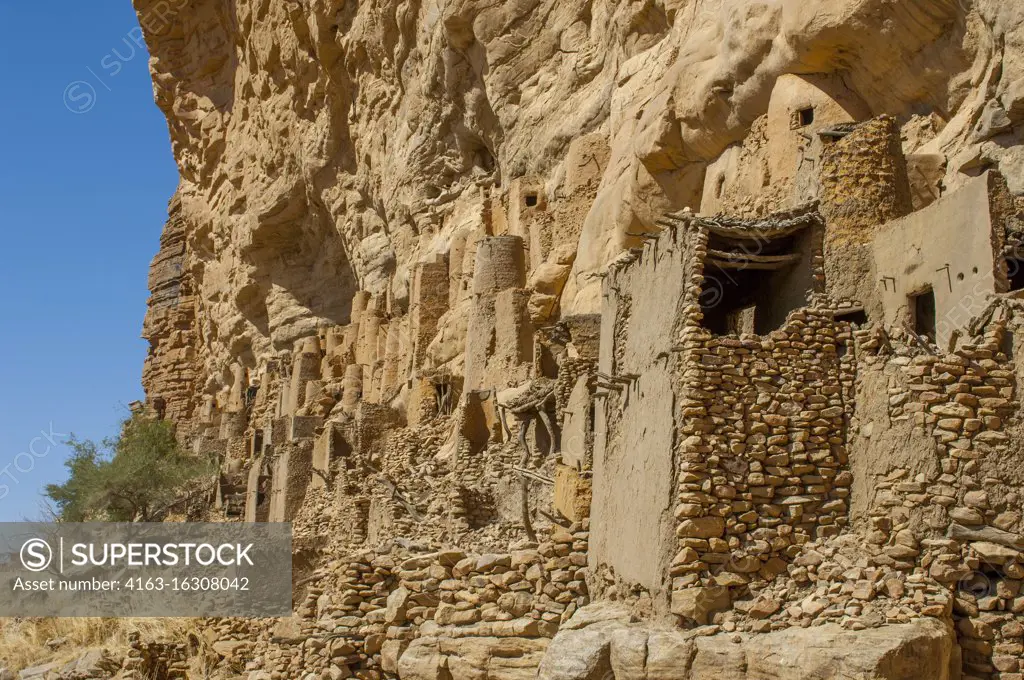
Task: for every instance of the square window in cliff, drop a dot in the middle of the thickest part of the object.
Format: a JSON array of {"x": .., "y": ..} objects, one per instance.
[
  {"x": 531, "y": 199},
  {"x": 922, "y": 310},
  {"x": 803, "y": 117}
]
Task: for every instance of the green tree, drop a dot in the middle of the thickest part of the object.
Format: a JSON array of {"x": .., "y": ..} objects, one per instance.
[{"x": 134, "y": 477}]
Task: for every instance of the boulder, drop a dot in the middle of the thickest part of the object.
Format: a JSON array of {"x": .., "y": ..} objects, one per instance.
[
  {"x": 422, "y": 661},
  {"x": 922, "y": 649},
  {"x": 479, "y": 658},
  {"x": 698, "y": 604},
  {"x": 614, "y": 649},
  {"x": 288, "y": 631},
  {"x": 583, "y": 654},
  {"x": 397, "y": 606}
]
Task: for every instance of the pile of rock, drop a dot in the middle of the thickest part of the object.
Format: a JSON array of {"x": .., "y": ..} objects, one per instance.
[
  {"x": 155, "y": 660},
  {"x": 366, "y": 609}
]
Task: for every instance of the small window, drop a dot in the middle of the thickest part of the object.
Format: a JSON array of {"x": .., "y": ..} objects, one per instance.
[
  {"x": 805, "y": 116},
  {"x": 719, "y": 186},
  {"x": 854, "y": 317},
  {"x": 1015, "y": 273},
  {"x": 531, "y": 200},
  {"x": 922, "y": 306},
  {"x": 1006, "y": 346}
]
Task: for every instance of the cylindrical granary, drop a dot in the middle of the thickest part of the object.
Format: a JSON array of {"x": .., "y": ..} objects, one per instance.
[
  {"x": 864, "y": 181},
  {"x": 306, "y": 367},
  {"x": 236, "y": 397},
  {"x": 366, "y": 351},
  {"x": 391, "y": 359},
  {"x": 359, "y": 302},
  {"x": 352, "y": 387},
  {"x": 500, "y": 265}
]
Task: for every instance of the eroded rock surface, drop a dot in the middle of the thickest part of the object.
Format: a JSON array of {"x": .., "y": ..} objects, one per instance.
[{"x": 328, "y": 146}]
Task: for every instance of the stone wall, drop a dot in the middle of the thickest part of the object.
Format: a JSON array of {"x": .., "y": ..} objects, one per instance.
[
  {"x": 763, "y": 461},
  {"x": 372, "y": 614}
]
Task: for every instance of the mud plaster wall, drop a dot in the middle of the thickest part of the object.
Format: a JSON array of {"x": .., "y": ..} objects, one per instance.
[
  {"x": 633, "y": 458},
  {"x": 951, "y": 247},
  {"x": 576, "y": 439},
  {"x": 877, "y": 443}
]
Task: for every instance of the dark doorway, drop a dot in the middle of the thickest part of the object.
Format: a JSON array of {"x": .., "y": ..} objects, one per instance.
[
  {"x": 922, "y": 306},
  {"x": 752, "y": 286}
]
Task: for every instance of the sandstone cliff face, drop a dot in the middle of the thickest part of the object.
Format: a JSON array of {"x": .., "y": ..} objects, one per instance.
[
  {"x": 329, "y": 146},
  {"x": 741, "y": 274}
]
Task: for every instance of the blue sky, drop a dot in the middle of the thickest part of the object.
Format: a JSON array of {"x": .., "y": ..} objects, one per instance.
[{"x": 83, "y": 198}]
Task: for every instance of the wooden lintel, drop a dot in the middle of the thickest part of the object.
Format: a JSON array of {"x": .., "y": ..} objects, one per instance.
[{"x": 751, "y": 257}]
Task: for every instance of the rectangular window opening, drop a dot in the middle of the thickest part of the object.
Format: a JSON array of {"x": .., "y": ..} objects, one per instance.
[
  {"x": 531, "y": 200},
  {"x": 1015, "y": 273},
  {"x": 922, "y": 307},
  {"x": 855, "y": 317},
  {"x": 1006, "y": 346},
  {"x": 738, "y": 303},
  {"x": 806, "y": 116},
  {"x": 751, "y": 287}
]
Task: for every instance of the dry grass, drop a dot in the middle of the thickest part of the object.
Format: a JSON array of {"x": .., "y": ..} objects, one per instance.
[{"x": 23, "y": 641}]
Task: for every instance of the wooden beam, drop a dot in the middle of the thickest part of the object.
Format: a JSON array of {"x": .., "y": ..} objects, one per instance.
[
  {"x": 749, "y": 257},
  {"x": 744, "y": 229},
  {"x": 736, "y": 265},
  {"x": 534, "y": 475}
]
